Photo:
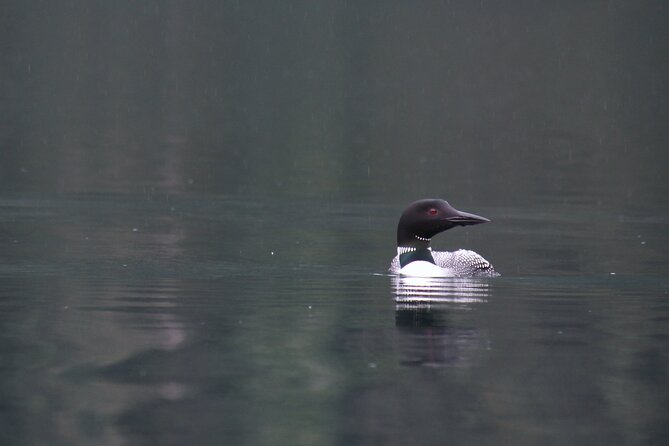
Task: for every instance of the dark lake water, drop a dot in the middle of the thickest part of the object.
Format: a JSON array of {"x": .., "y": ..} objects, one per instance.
[{"x": 198, "y": 206}]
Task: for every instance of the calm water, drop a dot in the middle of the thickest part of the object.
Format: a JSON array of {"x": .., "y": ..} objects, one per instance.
[
  {"x": 198, "y": 207},
  {"x": 167, "y": 320}
]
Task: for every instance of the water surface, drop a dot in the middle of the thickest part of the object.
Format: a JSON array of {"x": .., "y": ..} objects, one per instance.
[{"x": 150, "y": 319}]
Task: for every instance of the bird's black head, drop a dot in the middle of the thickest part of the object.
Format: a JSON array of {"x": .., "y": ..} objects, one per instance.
[{"x": 424, "y": 219}]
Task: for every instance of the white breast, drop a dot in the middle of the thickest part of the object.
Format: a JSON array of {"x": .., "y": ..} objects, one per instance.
[{"x": 422, "y": 268}]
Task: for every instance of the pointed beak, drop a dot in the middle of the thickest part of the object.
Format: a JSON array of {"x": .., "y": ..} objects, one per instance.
[{"x": 466, "y": 219}]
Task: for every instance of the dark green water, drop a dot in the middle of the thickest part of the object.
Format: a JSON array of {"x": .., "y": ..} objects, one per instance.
[
  {"x": 198, "y": 208},
  {"x": 143, "y": 319}
]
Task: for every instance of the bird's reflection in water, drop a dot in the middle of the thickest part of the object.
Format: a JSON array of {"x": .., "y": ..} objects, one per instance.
[
  {"x": 435, "y": 321},
  {"x": 439, "y": 290}
]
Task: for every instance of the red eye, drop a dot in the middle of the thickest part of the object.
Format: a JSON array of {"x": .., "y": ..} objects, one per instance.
[{"x": 433, "y": 211}]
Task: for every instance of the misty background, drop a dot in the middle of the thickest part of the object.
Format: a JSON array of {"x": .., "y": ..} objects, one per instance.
[{"x": 380, "y": 101}]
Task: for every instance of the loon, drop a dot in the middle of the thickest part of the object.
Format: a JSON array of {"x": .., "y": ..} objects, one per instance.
[{"x": 421, "y": 221}]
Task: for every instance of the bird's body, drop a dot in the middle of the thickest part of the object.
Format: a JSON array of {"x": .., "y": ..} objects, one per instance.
[{"x": 460, "y": 263}]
